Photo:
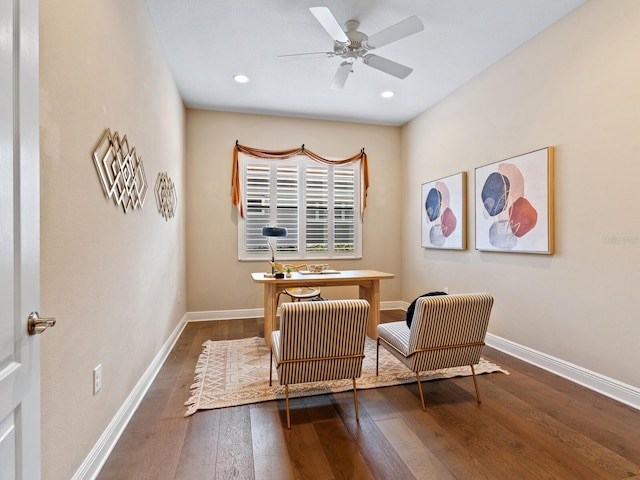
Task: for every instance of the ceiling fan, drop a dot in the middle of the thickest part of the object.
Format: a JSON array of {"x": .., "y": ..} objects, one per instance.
[{"x": 352, "y": 45}]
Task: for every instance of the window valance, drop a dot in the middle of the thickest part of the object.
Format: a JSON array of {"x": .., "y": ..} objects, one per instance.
[{"x": 236, "y": 191}]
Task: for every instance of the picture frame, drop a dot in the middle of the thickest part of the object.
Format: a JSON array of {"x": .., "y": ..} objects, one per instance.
[
  {"x": 444, "y": 213},
  {"x": 514, "y": 204}
]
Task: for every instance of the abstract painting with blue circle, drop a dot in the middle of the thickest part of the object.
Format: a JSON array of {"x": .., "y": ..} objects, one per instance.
[{"x": 443, "y": 204}]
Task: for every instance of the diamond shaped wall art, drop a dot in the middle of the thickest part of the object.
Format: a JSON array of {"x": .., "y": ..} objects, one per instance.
[
  {"x": 121, "y": 171},
  {"x": 166, "y": 197}
]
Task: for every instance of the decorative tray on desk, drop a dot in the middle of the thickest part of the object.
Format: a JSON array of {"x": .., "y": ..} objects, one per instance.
[{"x": 323, "y": 272}]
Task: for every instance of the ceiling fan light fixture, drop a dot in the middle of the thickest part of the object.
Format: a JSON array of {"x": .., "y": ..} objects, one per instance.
[
  {"x": 387, "y": 94},
  {"x": 240, "y": 78}
]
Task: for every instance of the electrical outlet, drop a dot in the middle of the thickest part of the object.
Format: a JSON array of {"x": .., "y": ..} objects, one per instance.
[
  {"x": 446, "y": 289},
  {"x": 97, "y": 379},
  {"x": 179, "y": 296}
]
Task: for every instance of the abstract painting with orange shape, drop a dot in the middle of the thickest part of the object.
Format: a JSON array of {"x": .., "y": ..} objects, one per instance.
[
  {"x": 514, "y": 204},
  {"x": 443, "y": 212}
]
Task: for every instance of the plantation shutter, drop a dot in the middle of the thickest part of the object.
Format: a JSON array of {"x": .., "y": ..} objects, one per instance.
[
  {"x": 286, "y": 215},
  {"x": 258, "y": 188},
  {"x": 318, "y": 204},
  {"x": 344, "y": 210},
  {"x": 317, "y": 207}
]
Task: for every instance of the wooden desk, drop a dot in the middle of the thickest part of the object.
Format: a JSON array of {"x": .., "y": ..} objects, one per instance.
[{"x": 367, "y": 280}]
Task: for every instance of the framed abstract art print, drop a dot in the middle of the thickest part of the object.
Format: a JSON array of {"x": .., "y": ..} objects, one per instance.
[
  {"x": 514, "y": 204},
  {"x": 444, "y": 212}
]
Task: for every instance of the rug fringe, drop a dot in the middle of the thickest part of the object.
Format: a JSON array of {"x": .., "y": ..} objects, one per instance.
[{"x": 197, "y": 386}]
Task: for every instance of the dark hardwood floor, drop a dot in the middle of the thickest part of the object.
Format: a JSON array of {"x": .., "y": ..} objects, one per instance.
[{"x": 531, "y": 425}]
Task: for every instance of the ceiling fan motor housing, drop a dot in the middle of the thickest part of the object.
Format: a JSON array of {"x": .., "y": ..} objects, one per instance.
[{"x": 356, "y": 45}]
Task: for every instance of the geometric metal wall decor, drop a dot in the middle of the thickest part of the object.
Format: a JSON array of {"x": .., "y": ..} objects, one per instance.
[
  {"x": 121, "y": 171},
  {"x": 166, "y": 197}
]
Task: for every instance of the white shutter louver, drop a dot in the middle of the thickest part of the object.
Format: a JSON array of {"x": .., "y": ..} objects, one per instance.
[
  {"x": 258, "y": 195},
  {"x": 344, "y": 210},
  {"x": 317, "y": 208},
  {"x": 287, "y": 207}
]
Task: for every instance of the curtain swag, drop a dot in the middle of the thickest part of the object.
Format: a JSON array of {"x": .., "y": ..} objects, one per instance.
[{"x": 236, "y": 190}]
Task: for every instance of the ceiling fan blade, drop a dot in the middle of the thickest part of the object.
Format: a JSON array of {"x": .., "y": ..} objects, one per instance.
[
  {"x": 340, "y": 78},
  {"x": 402, "y": 29},
  {"x": 304, "y": 56},
  {"x": 329, "y": 23},
  {"x": 387, "y": 66}
]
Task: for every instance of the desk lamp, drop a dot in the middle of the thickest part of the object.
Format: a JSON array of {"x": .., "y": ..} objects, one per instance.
[{"x": 273, "y": 232}]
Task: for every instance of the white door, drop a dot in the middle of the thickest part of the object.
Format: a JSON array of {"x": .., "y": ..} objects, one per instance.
[{"x": 19, "y": 241}]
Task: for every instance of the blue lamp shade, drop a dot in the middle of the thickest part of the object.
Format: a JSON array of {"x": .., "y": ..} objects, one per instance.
[{"x": 274, "y": 232}]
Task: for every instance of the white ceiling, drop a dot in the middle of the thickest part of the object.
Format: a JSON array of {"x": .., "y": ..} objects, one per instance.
[{"x": 206, "y": 42}]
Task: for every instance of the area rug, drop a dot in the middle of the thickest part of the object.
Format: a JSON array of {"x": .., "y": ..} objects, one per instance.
[{"x": 236, "y": 372}]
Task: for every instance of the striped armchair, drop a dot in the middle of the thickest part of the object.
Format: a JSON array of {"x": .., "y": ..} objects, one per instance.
[
  {"x": 446, "y": 331},
  {"x": 319, "y": 341}
]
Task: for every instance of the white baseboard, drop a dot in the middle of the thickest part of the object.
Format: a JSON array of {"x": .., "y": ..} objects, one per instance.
[
  {"x": 258, "y": 312},
  {"x": 98, "y": 455},
  {"x": 223, "y": 315},
  {"x": 607, "y": 386},
  {"x": 396, "y": 305}
]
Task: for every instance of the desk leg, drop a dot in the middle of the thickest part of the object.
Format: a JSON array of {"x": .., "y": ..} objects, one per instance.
[
  {"x": 371, "y": 293},
  {"x": 270, "y": 308}
]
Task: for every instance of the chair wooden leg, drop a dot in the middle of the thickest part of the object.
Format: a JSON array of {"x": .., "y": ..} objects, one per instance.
[
  {"x": 420, "y": 390},
  {"x": 270, "y": 365},
  {"x": 475, "y": 382},
  {"x": 286, "y": 399},
  {"x": 377, "y": 354},
  {"x": 355, "y": 398}
]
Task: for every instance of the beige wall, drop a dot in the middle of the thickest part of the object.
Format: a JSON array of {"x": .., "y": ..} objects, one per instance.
[
  {"x": 216, "y": 279},
  {"x": 575, "y": 87},
  {"x": 111, "y": 279}
]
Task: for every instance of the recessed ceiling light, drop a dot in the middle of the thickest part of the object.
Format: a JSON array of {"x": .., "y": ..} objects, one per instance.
[
  {"x": 387, "y": 94},
  {"x": 240, "y": 78}
]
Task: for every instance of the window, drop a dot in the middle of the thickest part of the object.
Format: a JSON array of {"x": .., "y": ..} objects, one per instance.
[{"x": 317, "y": 203}]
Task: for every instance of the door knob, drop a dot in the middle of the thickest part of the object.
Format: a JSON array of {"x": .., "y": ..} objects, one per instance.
[{"x": 37, "y": 325}]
